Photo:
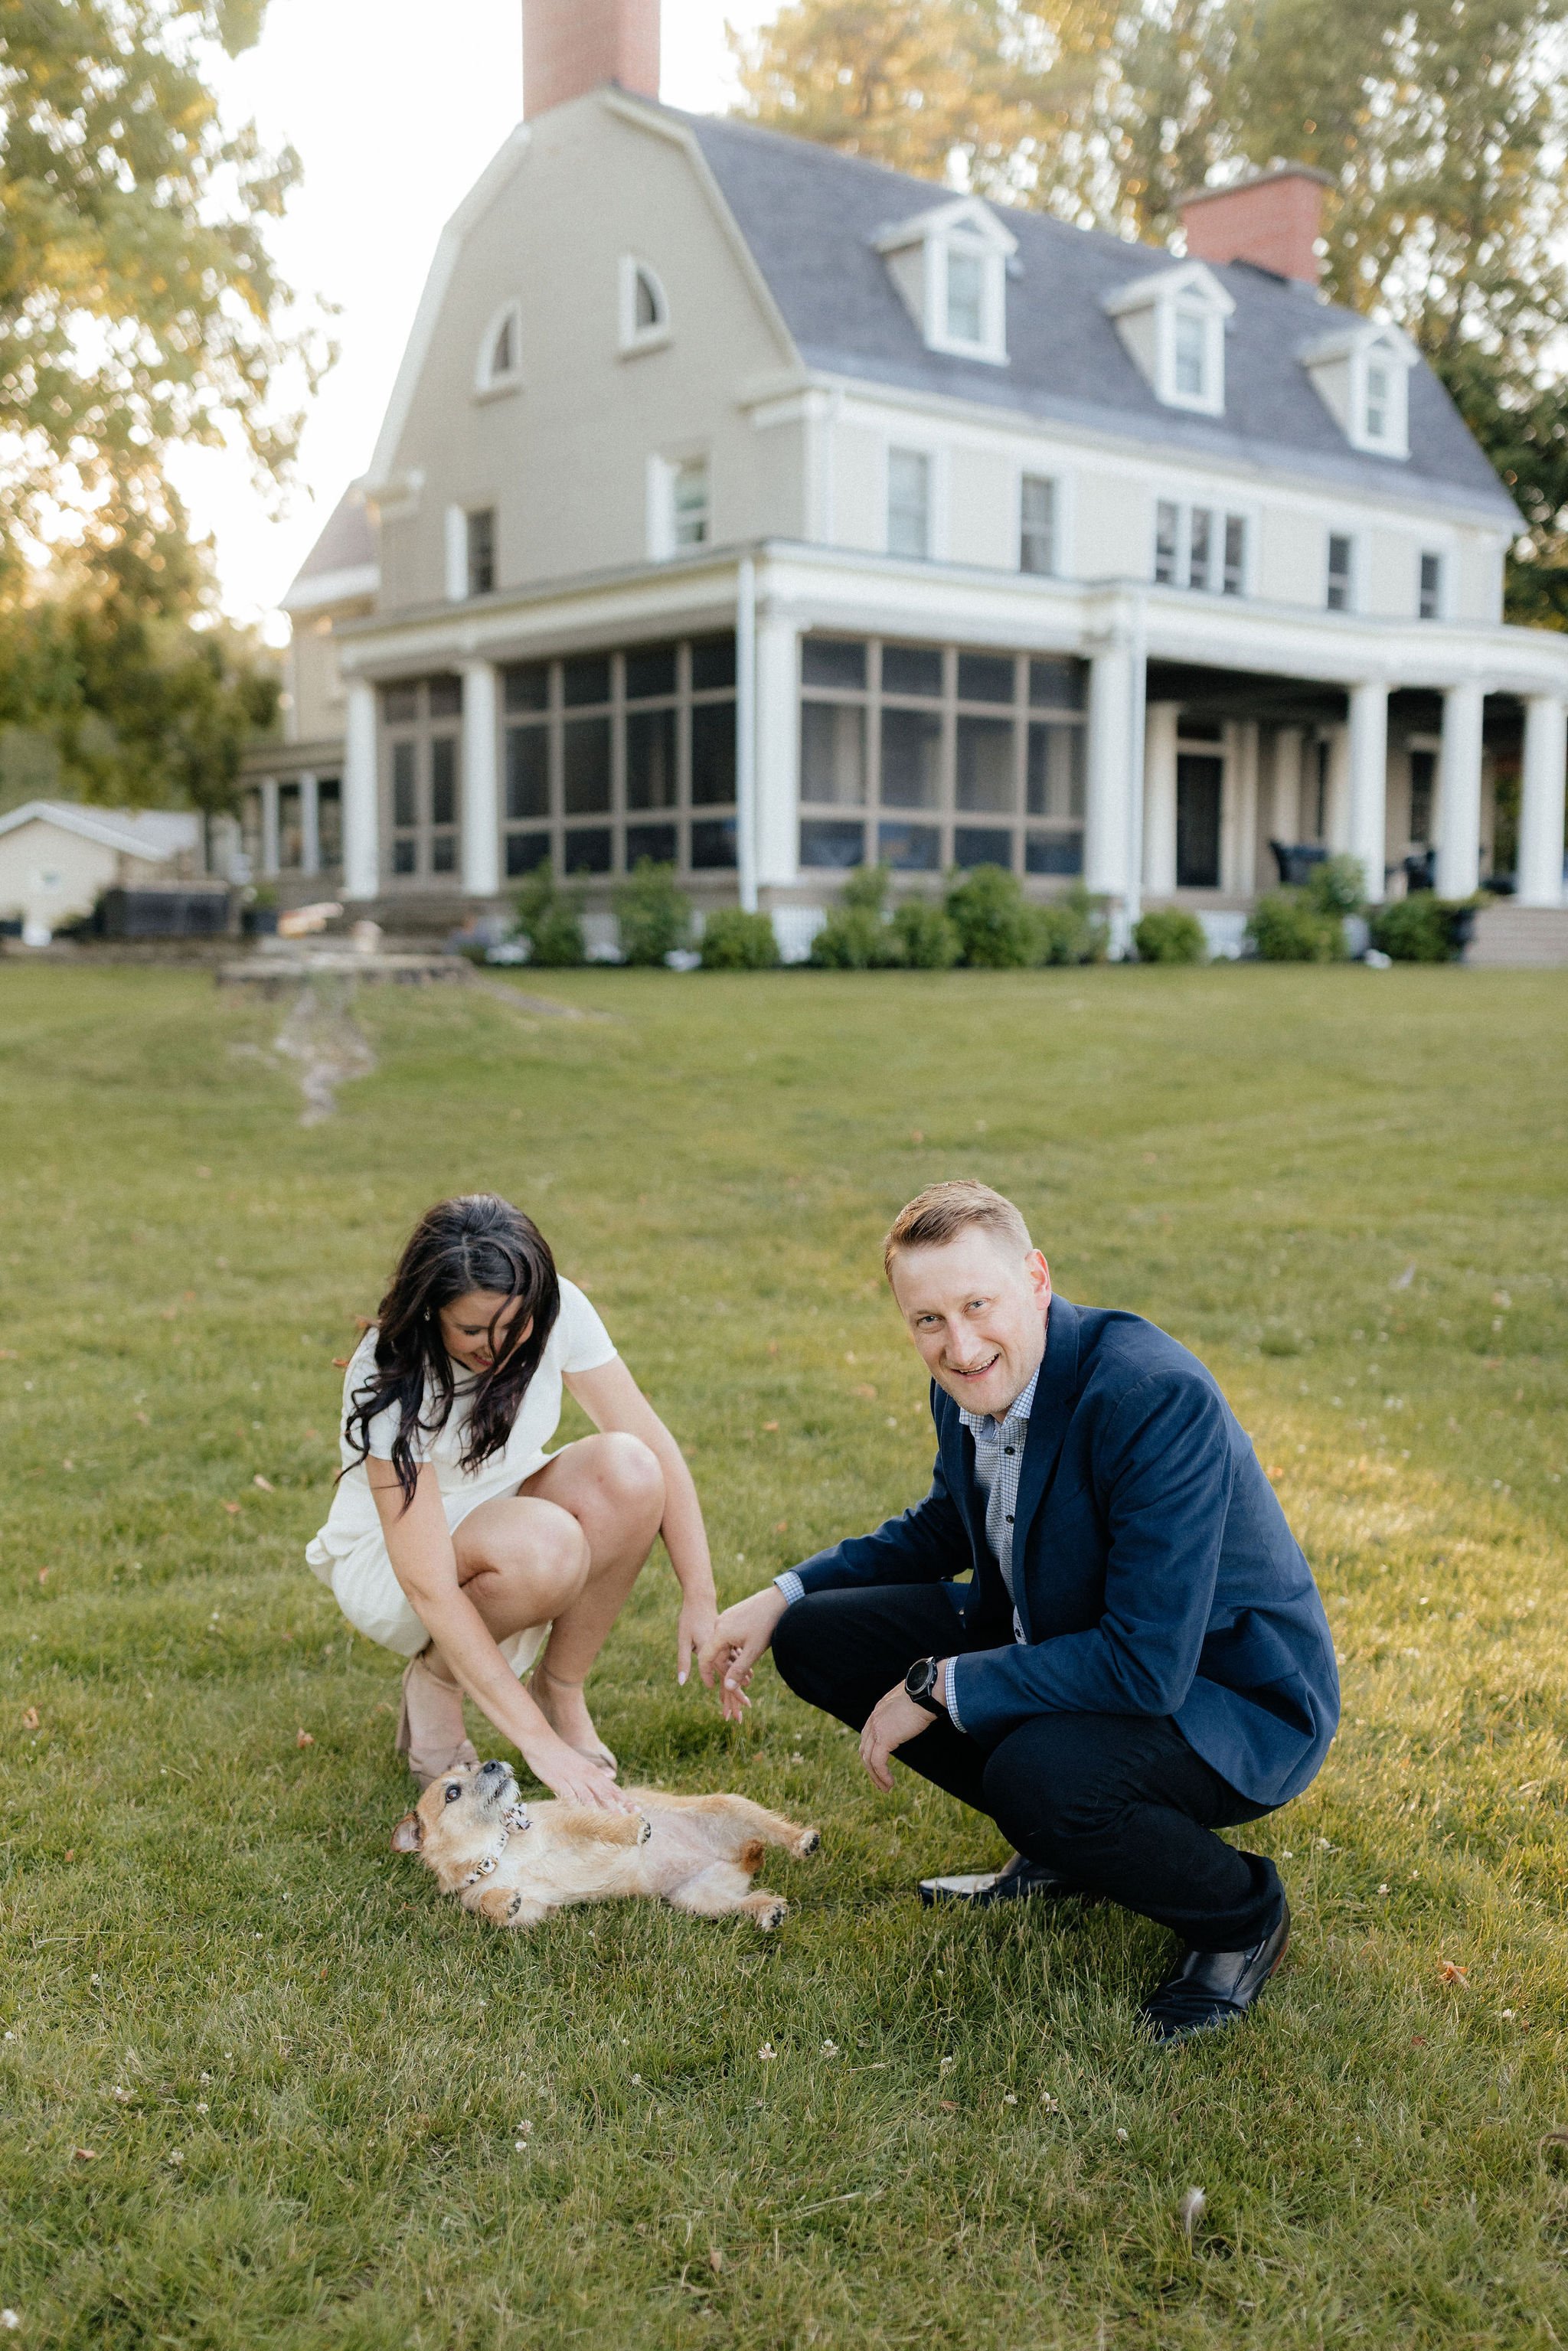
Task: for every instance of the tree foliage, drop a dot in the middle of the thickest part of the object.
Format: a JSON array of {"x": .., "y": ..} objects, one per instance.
[
  {"x": 1442, "y": 125},
  {"x": 139, "y": 306}
]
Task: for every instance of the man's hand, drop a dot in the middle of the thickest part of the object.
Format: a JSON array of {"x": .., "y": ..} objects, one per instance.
[
  {"x": 736, "y": 1643},
  {"x": 894, "y": 1723}
]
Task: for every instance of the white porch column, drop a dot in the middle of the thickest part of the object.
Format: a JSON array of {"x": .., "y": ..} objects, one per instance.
[
  {"x": 1107, "y": 812},
  {"x": 310, "y": 825},
  {"x": 1239, "y": 828},
  {"x": 1160, "y": 798},
  {"x": 269, "y": 828},
  {"x": 481, "y": 789},
  {"x": 776, "y": 731},
  {"x": 1369, "y": 826},
  {"x": 746, "y": 731},
  {"x": 1459, "y": 790},
  {"x": 1540, "y": 876},
  {"x": 362, "y": 794},
  {"x": 1285, "y": 785}
]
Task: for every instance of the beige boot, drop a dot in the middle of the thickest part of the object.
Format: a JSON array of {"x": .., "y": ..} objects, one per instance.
[{"x": 427, "y": 1764}]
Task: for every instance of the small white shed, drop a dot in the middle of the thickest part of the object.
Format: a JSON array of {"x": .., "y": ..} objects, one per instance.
[{"x": 57, "y": 857}]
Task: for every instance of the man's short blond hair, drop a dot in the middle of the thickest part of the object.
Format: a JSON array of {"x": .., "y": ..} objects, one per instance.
[{"x": 942, "y": 1211}]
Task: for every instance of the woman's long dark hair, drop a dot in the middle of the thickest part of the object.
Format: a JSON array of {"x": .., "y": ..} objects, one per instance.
[{"x": 477, "y": 1242}]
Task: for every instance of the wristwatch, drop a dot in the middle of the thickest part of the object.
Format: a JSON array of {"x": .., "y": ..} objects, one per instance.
[{"x": 920, "y": 1684}]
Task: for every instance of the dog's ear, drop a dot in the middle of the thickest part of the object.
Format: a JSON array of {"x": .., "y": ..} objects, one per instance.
[{"x": 409, "y": 1833}]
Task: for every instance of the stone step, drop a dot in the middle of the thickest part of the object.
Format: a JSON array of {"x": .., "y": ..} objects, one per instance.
[{"x": 1519, "y": 939}]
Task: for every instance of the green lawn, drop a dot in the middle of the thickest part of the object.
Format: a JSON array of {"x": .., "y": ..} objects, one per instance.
[{"x": 304, "y": 2078}]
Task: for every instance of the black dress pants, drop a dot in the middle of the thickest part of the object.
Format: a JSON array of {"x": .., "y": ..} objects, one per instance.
[{"x": 1118, "y": 1802}]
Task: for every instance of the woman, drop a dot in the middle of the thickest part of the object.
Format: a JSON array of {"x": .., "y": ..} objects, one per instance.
[{"x": 457, "y": 1540}]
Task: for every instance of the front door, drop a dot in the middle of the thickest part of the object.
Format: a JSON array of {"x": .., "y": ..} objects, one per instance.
[{"x": 1199, "y": 779}]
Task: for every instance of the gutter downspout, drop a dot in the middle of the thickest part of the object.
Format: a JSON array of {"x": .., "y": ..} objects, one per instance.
[{"x": 746, "y": 730}]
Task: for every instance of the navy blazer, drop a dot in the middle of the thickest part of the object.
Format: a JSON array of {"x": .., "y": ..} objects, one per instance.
[{"x": 1153, "y": 1570}]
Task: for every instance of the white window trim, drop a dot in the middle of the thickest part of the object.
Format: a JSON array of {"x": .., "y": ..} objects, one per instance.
[
  {"x": 1395, "y": 441},
  {"x": 968, "y": 224},
  {"x": 1357, "y": 570},
  {"x": 937, "y": 497},
  {"x": 493, "y": 384},
  {"x": 662, "y": 468},
  {"x": 1045, "y": 470},
  {"x": 633, "y": 339},
  {"x": 1338, "y": 364},
  {"x": 456, "y": 545},
  {"x": 1448, "y": 566},
  {"x": 1192, "y": 287}
]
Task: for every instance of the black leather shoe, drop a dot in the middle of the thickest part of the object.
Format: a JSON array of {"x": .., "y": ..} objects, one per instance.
[
  {"x": 1211, "y": 1988},
  {"x": 1014, "y": 1880}
]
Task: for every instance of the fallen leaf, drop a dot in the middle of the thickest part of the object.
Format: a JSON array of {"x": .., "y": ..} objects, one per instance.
[
  {"x": 1418, "y": 2041},
  {"x": 67, "y": 1465},
  {"x": 304, "y": 1739},
  {"x": 339, "y": 1363},
  {"x": 264, "y": 1483},
  {"x": 8, "y": 1355},
  {"x": 948, "y": 2106},
  {"x": 1452, "y": 1973},
  {"x": 42, "y": 1575},
  {"x": 773, "y": 1346},
  {"x": 145, "y": 1418},
  {"x": 865, "y": 1389},
  {"x": 84, "y": 2155},
  {"x": 768, "y": 1427},
  {"x": 363, "y": 1322},
  {"x": 782, "y": 1528},
  {"x": 30, "y": 1719},
  {"x": 70, "y": 1852},
  {"x": 232, "y": 1509},
  {"x": 715, "y": 2259}
]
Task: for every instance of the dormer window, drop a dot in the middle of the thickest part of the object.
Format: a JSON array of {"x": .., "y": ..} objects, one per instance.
[
  {"x": 500, "y": 365},
  {"x": 1173, "y": 323},
  {"x": 1362, "y": 375},
  {"x": 645, "y": 310},
  {"x": 950, "y": 268}
]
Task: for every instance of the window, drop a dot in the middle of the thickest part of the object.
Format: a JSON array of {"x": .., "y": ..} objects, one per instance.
[
  {"x": 1362, "y": 375},
  {"x": 290, "y": 829},
  {"x": 645, "y": 311},
  {"x": 1190, "y": 353},
  {"x": 908, "y": 502},
  {"x": 688, "y": 498},
  {"x": 1341, "y": 552},
  {"x": 329, "y": 823},
  {"x": 480, "y": 551},
  {"x": 1036, "y": 523},
  {"x": 1430, "y": 606},
  {"x": 965, "y": 296},
  {"x": 1201, "y": 782},
  {"x": 422, "y": 733},
  {"x": 1379, "y": 399},
  {"x": 679, "y": 508},
  {"x": 611, "y": 758},
  {"x": 1198, "y": 547},
  {"x": 1423, "y": 791},
  {"x": 501, "y": 360},
  {"x": 924, "y": 756}
]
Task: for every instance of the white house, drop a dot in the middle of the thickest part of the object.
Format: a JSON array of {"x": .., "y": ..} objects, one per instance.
[
  {"x": 748, "y": 505},
  {"x": 57, "y": 857}
]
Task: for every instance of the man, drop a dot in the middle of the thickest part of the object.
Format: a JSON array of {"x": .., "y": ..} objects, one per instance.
[{"x": 1140, "y": 1657}]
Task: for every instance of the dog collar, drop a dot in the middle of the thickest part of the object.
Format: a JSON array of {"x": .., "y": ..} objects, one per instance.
[{"x": 516, "y": 1818}]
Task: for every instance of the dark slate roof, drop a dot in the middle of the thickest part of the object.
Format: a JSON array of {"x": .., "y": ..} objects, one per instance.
[
  {"x": 347, "y": 542},
  {"x": 810, "y": 217}
]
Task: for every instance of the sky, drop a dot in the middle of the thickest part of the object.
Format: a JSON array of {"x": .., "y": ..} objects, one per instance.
[{"x": 394, "y": 109}]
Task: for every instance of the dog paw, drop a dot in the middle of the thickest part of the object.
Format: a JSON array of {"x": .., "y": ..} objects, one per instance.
[
  {"x": 811, "y": 1840},
  {"x": 772, "y": 1917},
  {"x": 644, "y": 1828}
]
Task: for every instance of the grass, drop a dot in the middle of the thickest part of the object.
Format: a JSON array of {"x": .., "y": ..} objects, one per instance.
[{"x": 303, "y": 2080}]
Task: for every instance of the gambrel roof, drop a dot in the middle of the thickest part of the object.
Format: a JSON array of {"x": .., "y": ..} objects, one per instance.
[{"x": 813, "y": 220}]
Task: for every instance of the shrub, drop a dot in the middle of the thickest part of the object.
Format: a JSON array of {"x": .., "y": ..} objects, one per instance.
[
  {"x": 927, "y": 939},
  {"x": 1337, "y": 886},
  {"x": 734, "y": 940},
  {"x": 549, "y": 920},
  {"x": 653, "y": 916},
  {"x": 1418, "y": 929},
  {"x": 854, "y": 939},
  {"x": 1170, "y": 935},
  {"x": 1286, "y": 927},
  {"x": 1073, "y": 929},
  {"x": 996, "y": 928},
  {"x": 865, "y": 889}
]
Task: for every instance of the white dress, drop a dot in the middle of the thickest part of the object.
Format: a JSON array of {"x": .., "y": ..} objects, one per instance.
[{"x": 350, "y": 1554}]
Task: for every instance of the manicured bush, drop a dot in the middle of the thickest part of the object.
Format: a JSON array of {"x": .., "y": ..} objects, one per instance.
[
  {"x": 551, "y": 921},
  {"x": 1418, "y": 929},
  {"x": 733, "y": 940},
  {"x": 927, "y": 939},
  {"x": 1286, "y": 927},
  {"x": 1070, "y": 930},
  {"x": 1337, "y": 886},
  {"x": 856, "y": 936},
  {"x": 655, "y": 918},
  {"x": 1170, "y": 935},
  {"x": 864, "y": 889},
  {"x": 996, "y": 927}
]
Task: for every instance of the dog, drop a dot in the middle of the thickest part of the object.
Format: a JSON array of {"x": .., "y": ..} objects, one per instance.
[{"x": 514, "y": 1864}]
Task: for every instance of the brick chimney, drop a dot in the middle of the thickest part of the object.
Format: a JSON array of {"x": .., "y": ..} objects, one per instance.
[
  {"x": 569, "y": 46},
  {"x": 1274, "y": 220}
]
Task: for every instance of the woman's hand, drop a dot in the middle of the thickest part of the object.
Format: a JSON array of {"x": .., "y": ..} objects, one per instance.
[
  {"x": 693, "y": 1632},
  {"x": 573, "y": 1777},
  {"x": 736, "y": 1641}
]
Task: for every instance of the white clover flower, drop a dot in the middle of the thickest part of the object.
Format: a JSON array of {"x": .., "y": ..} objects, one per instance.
[{"x": 767, "y": 2052}]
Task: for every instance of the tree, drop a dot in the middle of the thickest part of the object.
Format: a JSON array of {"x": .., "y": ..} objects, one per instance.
[
  {"x": 138, "y": 303},
  {"x": 1442, "y": 124}
]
